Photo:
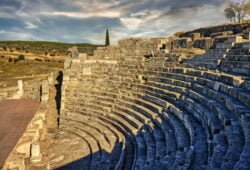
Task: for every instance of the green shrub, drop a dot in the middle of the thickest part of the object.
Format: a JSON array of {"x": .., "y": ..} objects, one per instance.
[
  {"x": 21, "y": 57},
  {"x": 10, "y": 60},
  {"x": 16, "y": 60},
  {"x": 38, "y": 59}
]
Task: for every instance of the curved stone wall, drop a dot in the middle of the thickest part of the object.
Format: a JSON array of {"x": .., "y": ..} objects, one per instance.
[{"x": 135, "y": 110}]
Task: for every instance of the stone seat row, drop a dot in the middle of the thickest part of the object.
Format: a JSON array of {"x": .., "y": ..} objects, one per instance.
[
  {"x": 120, "y": 131},
  {"x": 96, "y": 108},
  {"x": 236, "y": 92},
  {"x": 100, "y": 142},
  {"x": 221, "y": 136},
  {"x": 237, "y": 60},
  {"x": 217, "y": 51},
  {"x": 233, "y": 80},
  {"x": 233, "y": 60},
  {"x": 237, "y": 134},
  {"x": 244, "y": 98},
  {"x": 236, "y": 106},
  {"x": 121, "y": 119},
  {"x": 212, "y": 57},
  {"x": 239, "y": 57}
]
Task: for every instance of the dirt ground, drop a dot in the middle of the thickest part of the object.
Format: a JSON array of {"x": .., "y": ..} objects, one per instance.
[{"x": 15, "y": 115}]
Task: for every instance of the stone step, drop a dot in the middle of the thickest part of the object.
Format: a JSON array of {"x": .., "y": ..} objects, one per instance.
[
  {"x": 99, "y": 137},
  {"x": 130, "y": 148},
  {"x": 244, "y": 163},
  {"x": 117, "y": 145},
  {"x": 236, "y": 70},
  {"x": 205, "y": 106},
  {"x": 129, "y": 123},
  {"x": 182, "y": 139},
  {"x": 219, "y": 151},
  {"x": 86, "y": 161},
  {"x": 238, "y": 57},
  {"x": 235, "y": 64},
  {"x": 243, "y": 98},
  {"x": 239, "y": 94},
  {"x": 95, "y": 148},
  {"x": 151, "y": 142}
]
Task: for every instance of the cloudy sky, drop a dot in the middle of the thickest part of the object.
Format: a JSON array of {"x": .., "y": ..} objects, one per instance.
[{"x": 87, "y": 20}]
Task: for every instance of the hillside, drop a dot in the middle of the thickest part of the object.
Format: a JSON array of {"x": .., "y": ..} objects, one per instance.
[
  {"x": 234, "y": 28},
  {"x": 40, "y": 47}
]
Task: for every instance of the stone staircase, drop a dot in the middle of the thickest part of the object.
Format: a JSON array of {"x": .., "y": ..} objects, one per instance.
[
  {"x": 212, "y": 58},
  {"x": 238, "y": 59}
]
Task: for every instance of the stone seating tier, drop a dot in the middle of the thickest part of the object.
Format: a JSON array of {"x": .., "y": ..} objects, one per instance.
[{"x": 161, "y": 114}]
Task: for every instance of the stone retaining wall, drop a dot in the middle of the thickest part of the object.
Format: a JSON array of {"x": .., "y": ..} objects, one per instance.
[{"x": 28, "y": 146}]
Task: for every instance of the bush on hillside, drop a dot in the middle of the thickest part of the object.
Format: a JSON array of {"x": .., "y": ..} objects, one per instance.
[
  {"x": 38, "y": 59},
  {"x": 10, "y": 60},
  {"x": 16, "y": 60},
  {"x": 21, "y": 57}
]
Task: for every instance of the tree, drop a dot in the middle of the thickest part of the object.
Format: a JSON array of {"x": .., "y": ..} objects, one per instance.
[
  {"x": 107, "y": 41},
  {"x": 230, "y": 14},
  {"x": 247, "y": 8},
  {"x": 237, "y": 10}
]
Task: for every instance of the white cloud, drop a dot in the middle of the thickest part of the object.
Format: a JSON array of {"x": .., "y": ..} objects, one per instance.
[
  {"x": 30, "y": 25},
  {"x": 131, "y": 23},
  {"x": 94, "y": 4},
  {"x": 39, "y": 20},
  {"x": 141, "y": 13},
  {"x": 105, "y": 14},
  {"x": 139, "y": 19}
]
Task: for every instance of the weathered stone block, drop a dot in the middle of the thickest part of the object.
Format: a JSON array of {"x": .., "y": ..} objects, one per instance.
[
  {"x": 35, "y": 153},
  {"x": 217, "y": 86},
  {"x": 86, "y": 71}
]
